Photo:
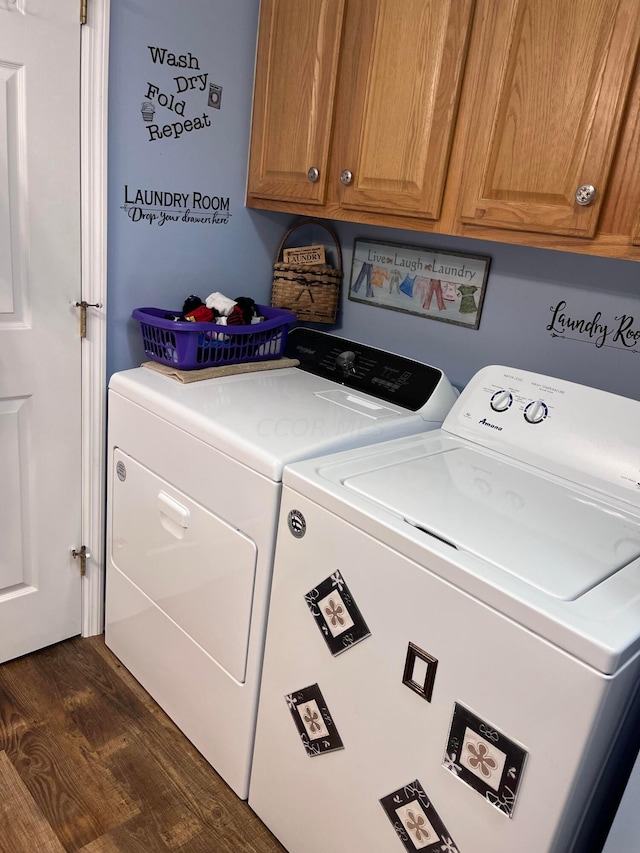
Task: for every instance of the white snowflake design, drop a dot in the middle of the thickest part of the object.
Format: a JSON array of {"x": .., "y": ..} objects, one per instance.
[
  {"x": 449, "y": 762},
  {"x": 336, "y": 577},
  {"x": 311, "y": 599},
  {"x": 505, "y": 802},
  {"x": 291, "y": 701}
]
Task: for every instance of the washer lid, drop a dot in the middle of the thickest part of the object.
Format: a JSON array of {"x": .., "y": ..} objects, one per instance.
[{"x": 554, "y": 537}]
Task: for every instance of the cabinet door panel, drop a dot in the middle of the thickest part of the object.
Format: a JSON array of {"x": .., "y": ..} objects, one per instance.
[
  {"x": 552, "y": 82},
  {"x": 297, "y": 66},
  {"x": 405, "y": 61}
]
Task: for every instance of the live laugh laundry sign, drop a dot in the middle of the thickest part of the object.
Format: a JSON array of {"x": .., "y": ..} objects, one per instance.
[
  {"x": 428, "y": 282},
  {"x": 619, "y": 331}
]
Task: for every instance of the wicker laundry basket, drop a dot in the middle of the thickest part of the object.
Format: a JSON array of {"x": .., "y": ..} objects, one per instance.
[{"x": 311, "y": 292}]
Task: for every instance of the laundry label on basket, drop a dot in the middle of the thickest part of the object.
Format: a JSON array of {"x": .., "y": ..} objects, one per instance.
[
  {"x": 315, "y": 724},
  {"x": 484, "y": 758},
  {"x": 336, "y": 614},
  {"x": 415, "y": 820}
]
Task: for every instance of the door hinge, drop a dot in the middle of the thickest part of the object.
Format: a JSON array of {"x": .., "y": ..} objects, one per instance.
[
  {"x": 83, "y": 555},
  {"x": 83, "y": 315},
  {"x": 83, "y": 11}
]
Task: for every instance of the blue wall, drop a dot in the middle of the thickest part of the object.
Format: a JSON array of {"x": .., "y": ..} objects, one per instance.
[
  {"x": 153, "y": 264},
  {"x": 156, "y": 264}
]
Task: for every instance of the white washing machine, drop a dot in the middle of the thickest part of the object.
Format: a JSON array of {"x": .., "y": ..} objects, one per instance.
[
  {"x": 453, "y": 645},
  {"x": 194, "y": 489}
]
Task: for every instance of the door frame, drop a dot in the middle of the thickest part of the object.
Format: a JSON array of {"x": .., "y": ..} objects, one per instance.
[{"x": 94, "y": 78}]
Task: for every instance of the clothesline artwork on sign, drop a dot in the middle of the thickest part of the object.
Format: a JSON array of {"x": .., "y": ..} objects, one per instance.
[{"x": 427, "y": 282}]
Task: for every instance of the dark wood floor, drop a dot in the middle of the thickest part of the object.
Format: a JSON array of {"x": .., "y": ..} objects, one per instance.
[{"x": 88, "y": 762}]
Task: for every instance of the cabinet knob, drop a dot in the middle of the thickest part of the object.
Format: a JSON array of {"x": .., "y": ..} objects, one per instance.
[
  {"x": 313, "y": 174},
  {"x": 585, "y": 194},
  {"x": 346, "y": 177}
]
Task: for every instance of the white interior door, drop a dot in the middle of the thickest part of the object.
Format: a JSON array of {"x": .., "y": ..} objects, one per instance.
[{"x": 40, "y": 350}]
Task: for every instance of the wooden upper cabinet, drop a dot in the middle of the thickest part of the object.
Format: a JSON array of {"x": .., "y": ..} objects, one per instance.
[
  {"x": 296, "y": 73},
  {"x": 551, "y": 82},
  {"x": 400, "y": 81}
]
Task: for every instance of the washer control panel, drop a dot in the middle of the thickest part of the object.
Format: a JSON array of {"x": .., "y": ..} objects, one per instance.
[
  {"x": 553, "y": 424},
  {"x": 534, "y": 412}
]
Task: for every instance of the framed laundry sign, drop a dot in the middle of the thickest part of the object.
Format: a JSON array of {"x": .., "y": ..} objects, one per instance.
[{"x": 446, "y": 286}]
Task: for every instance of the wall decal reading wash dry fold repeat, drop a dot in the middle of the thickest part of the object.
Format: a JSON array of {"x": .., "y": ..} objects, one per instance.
[
  {"x": 315, "y": 724},
  {"x": 179, "y": 104},
  {"x": 416, "y": 822},
  {"x": 336, "y": 613},
  {"x": 484, "y": 758}
]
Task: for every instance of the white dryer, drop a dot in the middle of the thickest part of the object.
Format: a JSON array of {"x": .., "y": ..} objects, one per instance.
[
  {"x": 453, "y": 648},
  {"x": 194, "y": 489}
]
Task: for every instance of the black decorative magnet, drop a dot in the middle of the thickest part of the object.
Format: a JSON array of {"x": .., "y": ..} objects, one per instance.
[
  {"x": 485, "y": 759},
  {"x": 336, "y": 614},
  {"x": 419, "y": 671},
  {"x": 415, "y": 820},
  {"x": 315, "y": 724}
]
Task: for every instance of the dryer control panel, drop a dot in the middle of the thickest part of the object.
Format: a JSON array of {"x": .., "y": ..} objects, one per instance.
[
  {"x": 388, "y": 376},
  {"x": 559, "y": 426}
]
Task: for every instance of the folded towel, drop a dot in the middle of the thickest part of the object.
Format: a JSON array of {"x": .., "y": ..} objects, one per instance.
[
  {"x": 224, "y": 369},
  {"x": 220, "y": 303}
]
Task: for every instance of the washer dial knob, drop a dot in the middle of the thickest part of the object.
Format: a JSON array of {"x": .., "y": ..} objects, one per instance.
[
  {"x": 501, "y": 400},
  {"x": 535, "y": 412}
]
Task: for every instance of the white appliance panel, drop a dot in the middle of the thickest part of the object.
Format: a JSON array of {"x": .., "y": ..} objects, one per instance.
[
  {"x": 520, "y": 521},
  {"x": 190, "y": 544},
  {"x": 266, "y": 420},
  {"x": 184, "y": 679},
  {"x": 466, "y": 612},
  {"x": 584, "y": 435},
  {"x": 196, "y": 567},
  {"x": 391, "y": 734}
]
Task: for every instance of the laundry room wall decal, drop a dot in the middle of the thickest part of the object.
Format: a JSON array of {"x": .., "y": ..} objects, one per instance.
[
  {"x": 154, "y": 206},
  {"x": 164, "y": 103},
  {"x": 620, "y": 331}
]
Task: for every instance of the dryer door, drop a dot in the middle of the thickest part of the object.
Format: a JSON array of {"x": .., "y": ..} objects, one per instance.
[{"x": 193, "y": 565}]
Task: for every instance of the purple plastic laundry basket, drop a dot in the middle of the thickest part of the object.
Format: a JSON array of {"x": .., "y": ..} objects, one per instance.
[{"x": 189, "y": 346}]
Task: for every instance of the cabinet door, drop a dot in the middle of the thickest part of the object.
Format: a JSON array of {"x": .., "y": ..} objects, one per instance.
[
  {"x": 403, "y": 63},
  {"x": 296, "y": 70},
  {"x": 552, "y": 81}
]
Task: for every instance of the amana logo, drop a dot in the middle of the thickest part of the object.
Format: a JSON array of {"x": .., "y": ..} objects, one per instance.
[{"x": 487, "y": 423}]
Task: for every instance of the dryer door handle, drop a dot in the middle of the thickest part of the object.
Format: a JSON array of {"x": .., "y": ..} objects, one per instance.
[{"x": 173, "y": 514}]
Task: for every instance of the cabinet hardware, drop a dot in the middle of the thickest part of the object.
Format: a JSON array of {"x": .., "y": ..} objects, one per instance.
[
  {"x": 346, "y": 177},
  {"x": 313, "y": 174},
  {"x": 585, "y": 194}
]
